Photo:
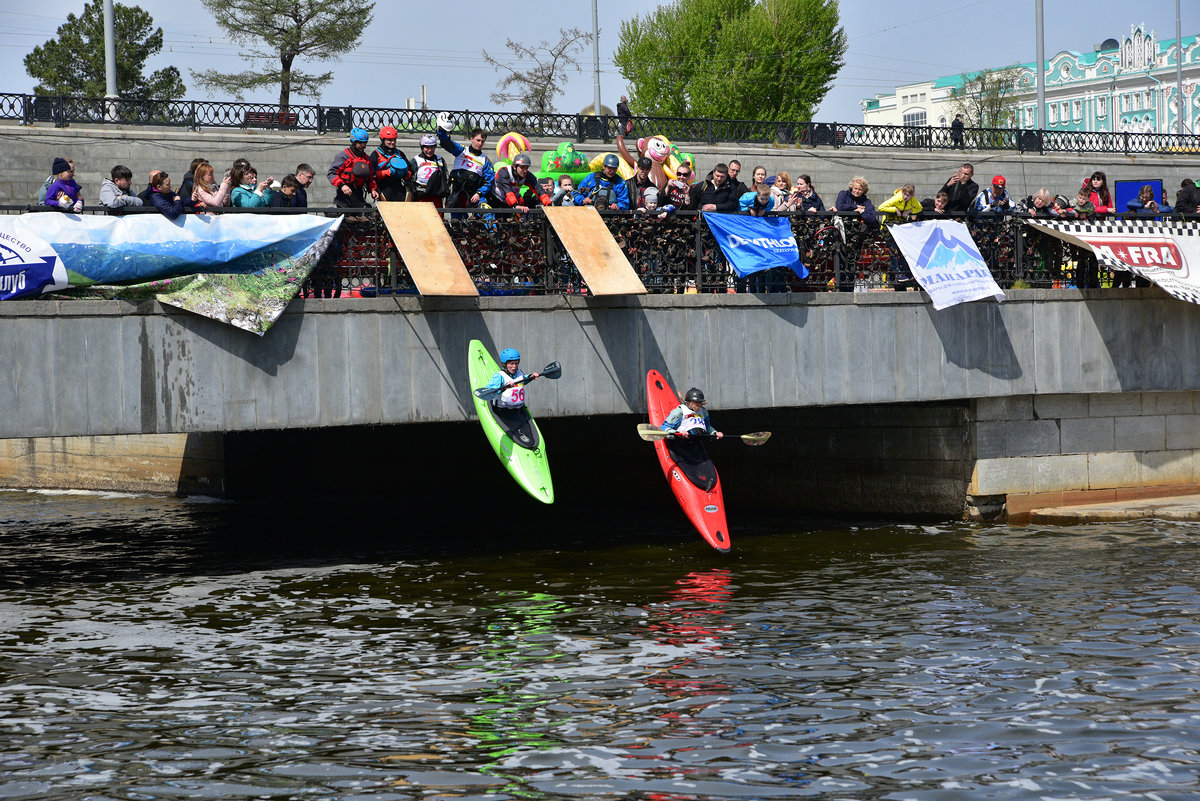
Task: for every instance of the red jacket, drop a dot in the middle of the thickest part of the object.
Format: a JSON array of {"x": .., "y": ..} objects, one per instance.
[{"x": 341, "y": 171}]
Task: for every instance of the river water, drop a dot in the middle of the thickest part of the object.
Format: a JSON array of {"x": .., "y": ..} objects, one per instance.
[{"x": 166, "y": 649}]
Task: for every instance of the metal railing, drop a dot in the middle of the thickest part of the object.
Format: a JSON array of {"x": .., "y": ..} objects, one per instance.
[
  {"x": 63, "y": 111},
  {"x": 507, "y": 253}
]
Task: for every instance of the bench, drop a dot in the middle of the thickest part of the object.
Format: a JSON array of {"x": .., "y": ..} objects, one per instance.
[{"x": 269, "y": 119}]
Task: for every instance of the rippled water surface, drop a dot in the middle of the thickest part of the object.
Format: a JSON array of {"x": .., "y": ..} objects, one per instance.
[{"x": 161, "y": 649}]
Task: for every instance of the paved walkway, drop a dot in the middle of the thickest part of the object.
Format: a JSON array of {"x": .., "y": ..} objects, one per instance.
[{"x": 1177, "y": 507}]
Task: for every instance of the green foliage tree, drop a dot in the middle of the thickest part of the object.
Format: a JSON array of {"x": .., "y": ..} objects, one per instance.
[
  {"x": 732, "y": 59},
  {"x": 275, "y": 33},
  {"x": 536, "y": 86},
  {"x": 73, "y": 62},
  {"x": 986, "y": 98}
]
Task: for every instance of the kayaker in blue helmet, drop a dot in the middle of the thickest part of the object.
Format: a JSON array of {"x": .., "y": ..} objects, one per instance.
[
  {"x": 690, "y": 416},
  {"x": 511, "y": 377}
]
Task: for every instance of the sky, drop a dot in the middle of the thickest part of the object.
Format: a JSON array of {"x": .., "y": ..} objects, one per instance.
[{"x": 889, "y": 44}]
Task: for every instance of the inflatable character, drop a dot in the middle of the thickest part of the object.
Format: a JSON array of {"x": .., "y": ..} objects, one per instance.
[
  {"x": 662, "y": 154},
  {"x": 564, "y": 160},
  {"x": 510, "y": 145}
]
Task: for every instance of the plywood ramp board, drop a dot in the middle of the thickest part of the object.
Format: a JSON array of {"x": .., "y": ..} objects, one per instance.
[
  {"x": 428, "y": 252},
  {"x": 601, "y": 263}
]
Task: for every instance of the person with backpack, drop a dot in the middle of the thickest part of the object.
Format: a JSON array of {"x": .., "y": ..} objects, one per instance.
[
  {"x": 472, "y": 175},
  {"x": 351, "y": 173},
  {"x": 607, "y": 184},
  {"x": 391, "y": 167},
  {"x": 431, "y": 179}
]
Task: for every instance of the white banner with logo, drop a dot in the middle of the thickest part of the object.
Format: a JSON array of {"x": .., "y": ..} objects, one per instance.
[
  {"x": 1163, "y": 252},
  {"x": 946, "y": 262}
]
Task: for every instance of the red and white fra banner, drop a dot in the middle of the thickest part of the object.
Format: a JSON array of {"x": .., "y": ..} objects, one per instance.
[{"x": 1167, "y": 253}]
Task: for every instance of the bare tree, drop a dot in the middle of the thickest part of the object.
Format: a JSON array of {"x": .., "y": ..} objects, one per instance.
[
  {"x": 534, "y": 78},
  {"x": 986, "y": 99}
]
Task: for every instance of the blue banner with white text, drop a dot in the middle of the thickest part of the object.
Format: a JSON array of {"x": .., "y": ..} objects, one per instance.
[{"x": 753, "y": 244}]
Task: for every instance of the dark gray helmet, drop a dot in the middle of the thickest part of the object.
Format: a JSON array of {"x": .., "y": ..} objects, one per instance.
[
  {"x": 694, "y": 394},
  {"x": 611, "y": 161},
  {"x": 522, "y": 160}
]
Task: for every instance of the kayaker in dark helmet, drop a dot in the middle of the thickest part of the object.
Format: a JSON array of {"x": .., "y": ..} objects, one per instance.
[
  {"x": 690, "y": 416},
  {"x": 514, "y": 396}
]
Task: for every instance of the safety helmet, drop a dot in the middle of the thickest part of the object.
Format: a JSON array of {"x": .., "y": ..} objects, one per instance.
[
  {"x": 359, "y": 134},
  {"x": 428, "y": 140},
  {"x": 611, "y": 161},
  {"x": 694, "y": 394},
  {"x": 522, "y": 160},
  {"x": 511, "y": 355},
  {"x": 387, "y": 132}
]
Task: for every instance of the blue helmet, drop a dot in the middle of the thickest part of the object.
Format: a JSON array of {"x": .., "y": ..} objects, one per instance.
[
  {"x": 359, "y": 134},
  {"x": 509, "y": 355},
  {"x": 611, "y": 161}
]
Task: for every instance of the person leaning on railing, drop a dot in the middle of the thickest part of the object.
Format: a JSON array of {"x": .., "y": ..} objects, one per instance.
[
  {"x": 961, "y": 189},
  {"x": 853, "y": 199},
  {"x": 805, "y": 197},
  {"x": 114, "y": 192},
  {"x": 1187, "y": 199},
  {"x": 206, "y": 193}
]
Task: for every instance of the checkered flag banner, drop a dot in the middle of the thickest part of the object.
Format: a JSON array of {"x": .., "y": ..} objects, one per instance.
[{"x": 1163, "y": 252}]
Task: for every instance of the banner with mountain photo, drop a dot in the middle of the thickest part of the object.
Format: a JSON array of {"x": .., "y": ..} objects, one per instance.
[
  {"x": 1163, "y": 252},
  {"x": 242, "y": 269},
  {"x": 946, "y": 262}
]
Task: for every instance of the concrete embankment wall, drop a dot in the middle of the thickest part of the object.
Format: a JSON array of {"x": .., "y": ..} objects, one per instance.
[
  {"x": 1054, "y": 450},
  {"x": 26, "y": 153},
  {"x": 95, "y": 368}
]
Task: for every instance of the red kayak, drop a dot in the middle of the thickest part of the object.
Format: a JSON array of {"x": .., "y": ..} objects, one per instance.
[{"x": 689, "y": 471}]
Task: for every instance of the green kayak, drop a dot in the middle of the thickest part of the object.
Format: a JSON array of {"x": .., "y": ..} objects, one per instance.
[{"x": 513, "y": 434}]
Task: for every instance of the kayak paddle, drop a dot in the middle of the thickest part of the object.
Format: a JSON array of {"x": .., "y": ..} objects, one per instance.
[
  {"x": 651, "y": 433},
  {"x": 551, "y": 370}
]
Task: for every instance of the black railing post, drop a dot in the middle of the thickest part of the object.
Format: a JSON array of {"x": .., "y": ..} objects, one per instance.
[
  {"x": 547, "y": 252},
  {"x": 835, "y": 135},
  {"x": 929, "y": 137},
  {"x": 708, "y": 120},
  {"x": 320, "y": 120},
  {"x": 1020, "y": 141},
  {"x": 466, "y": 121},
  {"x": 699, "y": 254},
  {"x": 1126, "y": 138},
  {"x": 1019, "y": 254},
  {"x": 192, "y": 126},
  {"x": 26, "y": 110},
  {"x": 579, "y": 137},
  {"x": 59, "y": 112}
]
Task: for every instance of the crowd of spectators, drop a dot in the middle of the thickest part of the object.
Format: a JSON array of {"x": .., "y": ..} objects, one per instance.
[{"x": 358, "y": 176}]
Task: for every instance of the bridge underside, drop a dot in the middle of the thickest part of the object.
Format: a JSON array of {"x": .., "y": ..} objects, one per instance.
[{"x": 989, "y": 458}]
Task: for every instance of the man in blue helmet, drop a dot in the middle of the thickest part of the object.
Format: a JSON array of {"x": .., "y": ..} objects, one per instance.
[
  {"x": 351, "y": 173},
  {"x": 690, "y": 416},
  {"x": 511, "y": 377},
  {"x": 606, "y": 180}
]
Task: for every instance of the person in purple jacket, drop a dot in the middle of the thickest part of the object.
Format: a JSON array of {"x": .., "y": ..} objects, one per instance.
[{"x": 63, "y": 193}]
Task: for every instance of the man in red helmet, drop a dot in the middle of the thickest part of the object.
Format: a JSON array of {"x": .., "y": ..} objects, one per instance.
[{"x": 392, "y": 168}]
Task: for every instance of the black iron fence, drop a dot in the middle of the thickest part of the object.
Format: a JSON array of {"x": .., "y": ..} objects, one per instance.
[
  {"x": 509, "y": 253},
  {"x": 195, "y": 114}
]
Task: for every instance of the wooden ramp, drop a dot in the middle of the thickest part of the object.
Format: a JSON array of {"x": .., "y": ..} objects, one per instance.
[
  {"x": 594, "y": 251},
  {"x": 429, "y": 254}
]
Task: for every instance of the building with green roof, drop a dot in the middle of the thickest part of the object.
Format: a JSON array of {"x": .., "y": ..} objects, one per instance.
[{"x": 1120, "y": 86}]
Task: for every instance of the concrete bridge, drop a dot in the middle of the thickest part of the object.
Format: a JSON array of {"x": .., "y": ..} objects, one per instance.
[{"x": 879, "y": 402}]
